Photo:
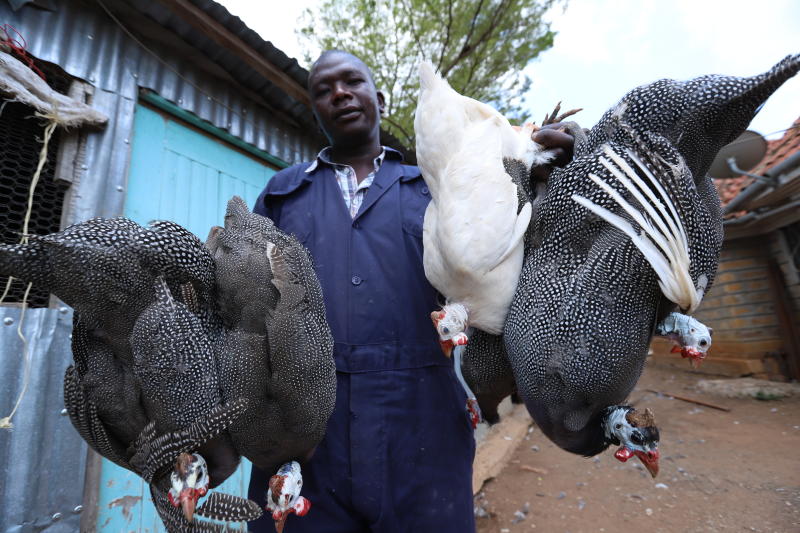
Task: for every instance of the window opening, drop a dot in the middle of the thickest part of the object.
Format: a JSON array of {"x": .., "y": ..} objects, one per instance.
[{"x": 20, "y": 143}]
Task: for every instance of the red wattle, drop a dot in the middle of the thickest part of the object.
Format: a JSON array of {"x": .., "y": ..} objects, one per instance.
[
  {"x": 302, "y": 506},
  {"x": 623, "y": 454}
]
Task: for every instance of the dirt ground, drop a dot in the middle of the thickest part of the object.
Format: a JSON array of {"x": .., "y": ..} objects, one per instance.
[{"x": 719, "y": 471}]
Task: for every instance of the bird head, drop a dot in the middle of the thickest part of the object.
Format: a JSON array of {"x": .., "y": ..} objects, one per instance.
[
  {"x": 694, "y": 343},
  {"x": 636, "y": 432},
  {"x": 283, "y": 494},
  {"x": 190, "y": 482},
  {"x": 451, "y": 323}
]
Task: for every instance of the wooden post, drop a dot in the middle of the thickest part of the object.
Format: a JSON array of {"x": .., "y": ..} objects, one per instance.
[{"x": 788, "y": 329}]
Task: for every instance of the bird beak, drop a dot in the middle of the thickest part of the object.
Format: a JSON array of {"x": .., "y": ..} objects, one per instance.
[
  {"x": 649, "y": 460},
  {"x": 188, "y": 499},
  {"x": 281, "y": 522}
]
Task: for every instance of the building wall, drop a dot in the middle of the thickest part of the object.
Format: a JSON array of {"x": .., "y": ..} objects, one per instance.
[
  {"x": 740, "y": 309},
  {"x": 43, "y": 460},
  {"x": 780, "y": 249}
]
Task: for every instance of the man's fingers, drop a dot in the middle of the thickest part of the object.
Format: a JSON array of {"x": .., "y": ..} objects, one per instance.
[{"x": 559, "y": 142}]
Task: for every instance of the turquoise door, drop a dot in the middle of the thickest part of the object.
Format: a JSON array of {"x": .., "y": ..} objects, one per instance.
[{"x": 178, "y": 174}]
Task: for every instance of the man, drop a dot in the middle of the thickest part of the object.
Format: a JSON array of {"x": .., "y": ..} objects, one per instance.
[{"x": 397, "y": 455}]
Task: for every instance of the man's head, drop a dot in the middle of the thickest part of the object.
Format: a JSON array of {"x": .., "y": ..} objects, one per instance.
[{"x": 345, "y": 100}]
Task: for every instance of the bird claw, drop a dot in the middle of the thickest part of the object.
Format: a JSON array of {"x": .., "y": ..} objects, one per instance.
[{"x": 554, "y": 117}]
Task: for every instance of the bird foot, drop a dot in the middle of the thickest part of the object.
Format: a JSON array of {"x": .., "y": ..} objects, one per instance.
[{"x": 554, "y": 117}]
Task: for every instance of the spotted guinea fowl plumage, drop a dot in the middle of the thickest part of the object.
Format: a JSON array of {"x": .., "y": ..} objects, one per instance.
[
  {"x": 281, "y": 358},
  {"x": 587, "y": 302},
  {"x": 158, "y": 349}
]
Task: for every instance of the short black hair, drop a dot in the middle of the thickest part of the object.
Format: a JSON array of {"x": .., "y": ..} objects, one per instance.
[{"x": 336, "y": 51}]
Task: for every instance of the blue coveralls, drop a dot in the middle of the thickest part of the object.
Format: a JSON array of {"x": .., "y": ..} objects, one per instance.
[{"x": 397, "y": 455}]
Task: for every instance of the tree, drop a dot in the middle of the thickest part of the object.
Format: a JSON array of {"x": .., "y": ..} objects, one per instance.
[{"x": 479, "y": 46}]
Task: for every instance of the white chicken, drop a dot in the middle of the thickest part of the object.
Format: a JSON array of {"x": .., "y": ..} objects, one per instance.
[{"x": 473, "y": 230}]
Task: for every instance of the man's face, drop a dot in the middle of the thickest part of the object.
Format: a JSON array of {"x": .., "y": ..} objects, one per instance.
[{"x": 345, "y": 100}]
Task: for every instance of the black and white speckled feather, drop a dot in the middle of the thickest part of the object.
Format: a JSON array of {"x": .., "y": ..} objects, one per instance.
[
  {"x": 587, "y": 302},
  {"x": 144, "y": 386},
  {"x": 279, "y": 354}
]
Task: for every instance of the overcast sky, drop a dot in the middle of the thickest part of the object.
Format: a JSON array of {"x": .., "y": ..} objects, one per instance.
[{"x": 604, "y": 48}]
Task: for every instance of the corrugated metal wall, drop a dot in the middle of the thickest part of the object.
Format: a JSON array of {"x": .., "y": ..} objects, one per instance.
[
  {"x": 42, "y": 461},
  {"x": 86, "y": 43}
]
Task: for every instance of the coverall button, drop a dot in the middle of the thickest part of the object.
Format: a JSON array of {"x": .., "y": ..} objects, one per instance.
[
  {"x": 424, "y": 190},
  {"x": 356, "y": 280},
  {"x": 356, "y": 225}
]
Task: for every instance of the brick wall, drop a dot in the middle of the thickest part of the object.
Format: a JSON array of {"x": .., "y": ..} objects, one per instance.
[
  {"x": 781, "y": 251},
  {"x": 740, "y": 309}
]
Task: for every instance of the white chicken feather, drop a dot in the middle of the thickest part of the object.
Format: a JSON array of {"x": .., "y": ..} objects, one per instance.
[{"x": 473, "y": 230}]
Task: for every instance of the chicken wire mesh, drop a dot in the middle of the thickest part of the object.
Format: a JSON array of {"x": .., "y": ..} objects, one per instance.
[{"x": 20, "y": 145}]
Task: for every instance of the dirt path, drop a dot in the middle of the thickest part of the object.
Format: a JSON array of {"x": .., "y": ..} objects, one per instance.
[{"x": 736, "y": 471}]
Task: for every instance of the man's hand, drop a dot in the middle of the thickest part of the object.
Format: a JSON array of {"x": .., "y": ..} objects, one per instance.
[{"x": 554, "y": 138}]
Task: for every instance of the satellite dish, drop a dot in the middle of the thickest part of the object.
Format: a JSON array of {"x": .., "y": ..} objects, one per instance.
[{"x": 738, "y": 157}]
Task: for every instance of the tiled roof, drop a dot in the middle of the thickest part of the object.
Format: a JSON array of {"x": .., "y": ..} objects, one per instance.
[{"x": 777, "y": 151}]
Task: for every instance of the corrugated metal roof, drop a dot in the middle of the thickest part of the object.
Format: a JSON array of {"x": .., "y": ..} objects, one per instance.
[{"x": 88, "y": 44}]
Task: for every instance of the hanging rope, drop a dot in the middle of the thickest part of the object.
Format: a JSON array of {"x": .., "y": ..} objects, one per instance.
[
  {"x": 5, "y": 422},
  {"x": 16, "y": 42}
]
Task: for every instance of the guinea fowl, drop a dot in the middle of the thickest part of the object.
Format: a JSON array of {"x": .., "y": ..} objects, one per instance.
[
  {"x": 278, "y": 352},
  {"x": 473, "y": 228},
  {"x": 179, "y": 361},
  {"x": 588, "y": 300},
  {"x": 140, "y": 355}
]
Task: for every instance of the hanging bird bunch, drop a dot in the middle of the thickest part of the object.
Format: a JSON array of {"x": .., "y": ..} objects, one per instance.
[
  {"x": 188, "y": 356},
  {"x": 624, "y": 244}
]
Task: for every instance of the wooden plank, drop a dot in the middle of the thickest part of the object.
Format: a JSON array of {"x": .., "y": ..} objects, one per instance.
[
  {"x": 690, "y": 400},
  {"x": 498, "y": 446},
  {"x": 91, "y": 490},
  {"x": 788, "y": 328},
  {"x": 222, "y": 36}
]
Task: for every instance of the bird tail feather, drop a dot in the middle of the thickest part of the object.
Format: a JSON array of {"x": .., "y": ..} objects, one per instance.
[{"x": 662, "y": 239}]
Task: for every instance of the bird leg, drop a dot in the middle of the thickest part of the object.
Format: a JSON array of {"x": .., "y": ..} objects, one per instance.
[{"x": 692, "y": 338}]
